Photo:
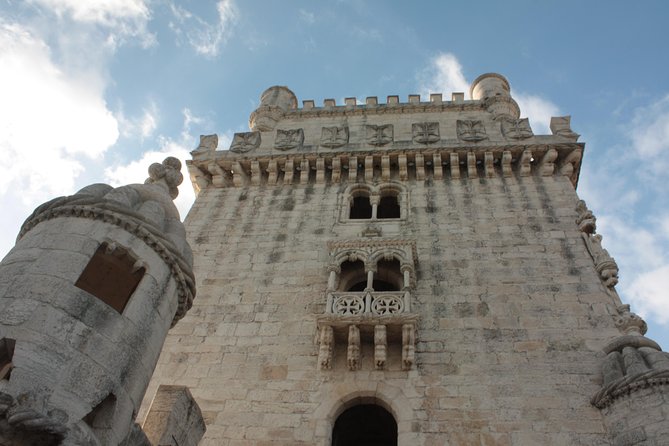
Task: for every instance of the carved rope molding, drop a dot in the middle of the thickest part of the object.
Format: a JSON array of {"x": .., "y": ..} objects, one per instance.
[{"x": 138, "y": 227}]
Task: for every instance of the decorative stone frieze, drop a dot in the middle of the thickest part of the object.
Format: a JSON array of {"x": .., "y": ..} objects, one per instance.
[
  {"x": 471, "y": 130},
  {"x": 336, "y": 136},
  {"x": 379, "y": 135},
  {"x": 245, "y": 142},
  {"x": 517, "y": 128},
  {"x": 289, "y": 139},
  {"x": 425, "y": 132}
]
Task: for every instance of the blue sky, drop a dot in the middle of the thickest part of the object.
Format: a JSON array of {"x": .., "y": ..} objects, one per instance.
[{"x": 96, "y": 90}]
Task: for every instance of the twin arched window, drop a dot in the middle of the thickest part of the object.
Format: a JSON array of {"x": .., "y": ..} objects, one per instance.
[
  {"x": 387, "y": 277},
  {"x": 368, "y": 204}
]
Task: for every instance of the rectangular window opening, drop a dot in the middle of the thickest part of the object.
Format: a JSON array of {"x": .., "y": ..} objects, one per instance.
[{"x": 111, "y": 275}]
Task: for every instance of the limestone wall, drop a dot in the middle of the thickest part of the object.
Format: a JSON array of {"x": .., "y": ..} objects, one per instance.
[{"x": 512, "y": 316}]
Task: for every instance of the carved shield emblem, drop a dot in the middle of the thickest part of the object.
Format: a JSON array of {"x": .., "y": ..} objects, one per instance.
[
  {"x": 244, "y": 142},
  {"x": 289, "y": 139},
  {"x": 334, "y": 136},
  {"x": 425, "y": 132},
  {"x": 472, "y": 131},
  {"x": 379, "y": 135},
  {"x": 517, "y": 128}
]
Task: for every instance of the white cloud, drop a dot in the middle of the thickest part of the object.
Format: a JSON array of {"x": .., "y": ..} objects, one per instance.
[
  {"x": 649, "y": 132},
  {"x": 49, "y": 122},
  {"x": 206, "y": 38},
  {"x": 122, "y": 18},
  {"x": 306, "y": 16},
  {"x": 142, "y": 126},
  {"x": 538, "y": 110},
  {"x": 443, "y": 75},
  {"x": 649, "y": 294}
]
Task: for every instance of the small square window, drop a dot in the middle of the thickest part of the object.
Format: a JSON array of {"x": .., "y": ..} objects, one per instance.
[{"x": 111, "y": 275}]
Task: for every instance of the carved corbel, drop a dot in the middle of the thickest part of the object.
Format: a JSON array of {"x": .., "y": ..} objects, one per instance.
[
  {"x": 369, "y": 168},
  {"x": 326, "y": 347},
  {"x": 304, "y": 171},
  {"x": 272, "y": 172},
  {"x": 436, "y": 166},
  {"x": 526, "y": 163},
  {"x": 238, "y": 174},
  {"x": 488, "y": 164},
  {"x": 380, "y": 347},
  {"x": 471, "y": 165},
  {"x": 547, "y": 165},
  {"x": 455, "y": 166},
  {"x": 506, "y": 163},
  {"x": 336, "y": 169},
  {"x": 255, "y": 173},
  {"x": 385, "y": 168},
  {"x": 569, "y": 164},
  {"x": 288, "y": 170},
  {"x": 320, "y": 171},
  {"x": 402, "y": 162},
  {"x": 420, "y": 167},
  {"x": 353, "y": 351},
  {"x": 217, "y": 174},
  {"x": 353, "y": 168},
  {"x": 198, "y": 177},
  {"x": 408, "y": 346}
]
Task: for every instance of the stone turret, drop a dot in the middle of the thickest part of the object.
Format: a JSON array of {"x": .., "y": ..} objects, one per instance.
[
  {"x": 274, "y": 102},
  {"x": 494, "y": 89},
  {"x": 87, "y": 296}
]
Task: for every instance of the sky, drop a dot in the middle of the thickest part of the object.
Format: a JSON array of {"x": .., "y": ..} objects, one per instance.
[{"x": 96, "y": 90}]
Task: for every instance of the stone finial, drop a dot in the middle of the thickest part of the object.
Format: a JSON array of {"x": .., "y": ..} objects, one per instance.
[
  {"x": 168, "y": 174},
  {"x": 586, "y": 220},
  {"x": 629, "y": 323}
]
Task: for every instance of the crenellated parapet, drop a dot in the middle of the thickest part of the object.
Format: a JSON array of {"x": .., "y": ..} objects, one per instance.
[{"x": 362, "y": 140}]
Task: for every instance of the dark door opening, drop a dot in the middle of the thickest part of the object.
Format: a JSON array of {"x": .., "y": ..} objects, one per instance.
[{"x": 365, "y": 425}]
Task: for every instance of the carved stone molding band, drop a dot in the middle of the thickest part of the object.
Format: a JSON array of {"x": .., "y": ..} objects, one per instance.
[
  {"x": 425, "y": 132},
  {"x": 334, "y": 136},
  {"x": 379, "y": 135},
  {"x": 289, "y": 139},
  {"x": 517, "y": 128},
  {"x": 471, "y": 131},
  {"x": 245, "y": 142},
  {"x": 376, "y": 303}
]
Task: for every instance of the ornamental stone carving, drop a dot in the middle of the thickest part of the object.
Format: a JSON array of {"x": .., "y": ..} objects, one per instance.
[
  {"x": 380, "y": 347},
  {"x": 289, "y": 139},
  {"x": 245, "y": 142},
  {"x": 334, "y": 136},
  {"x": 379, "y": 135},
  {"x": 326, "y": 345},
  {"x": 561, "y": 126},
  {"x": 425, "y": 132},
  {"x": 471, "y": 130},
  {"x": 629, "y": 323},
  {"x": 517, "y": 128},
  {"x": 586, "y": 220},
  {"x": 353, "y": 350},
  {"x": 208, "y": 143}
]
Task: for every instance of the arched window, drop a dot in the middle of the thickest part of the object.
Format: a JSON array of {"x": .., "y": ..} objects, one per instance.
[
  {"x": 353, "y": 276},
  {"x": 388, "y": 276},
  {"x": 361, "y": 207},
  {"x": 365, "y": 425},
  {"x": 389, "y": 206}
]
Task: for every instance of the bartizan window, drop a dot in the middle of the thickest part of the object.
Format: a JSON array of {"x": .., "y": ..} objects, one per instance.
[
  {"x": 384, "y": 202},
  {"x": 112, "y": 275}
]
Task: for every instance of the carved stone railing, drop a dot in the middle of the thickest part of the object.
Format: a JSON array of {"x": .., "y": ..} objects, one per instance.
[
  {"x": 375, "y": 303},
  {"x": 383, "y": 318}
]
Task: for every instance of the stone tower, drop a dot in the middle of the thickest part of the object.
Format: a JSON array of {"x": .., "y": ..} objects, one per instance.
[
  {"x": 412, "y": 273},
  {"x": 87, "y": 296}
]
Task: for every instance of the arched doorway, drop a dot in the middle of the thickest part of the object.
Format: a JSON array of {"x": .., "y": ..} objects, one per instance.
[{"x": 365, "y": 425}]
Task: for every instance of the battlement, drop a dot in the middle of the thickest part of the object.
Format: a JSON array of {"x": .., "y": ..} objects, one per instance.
[{"x": 372, "y": 102}]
